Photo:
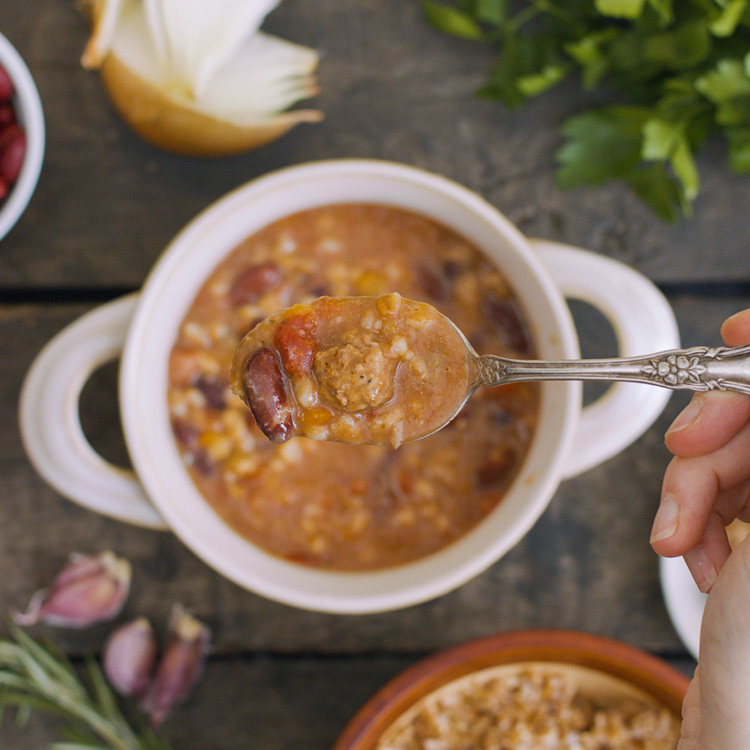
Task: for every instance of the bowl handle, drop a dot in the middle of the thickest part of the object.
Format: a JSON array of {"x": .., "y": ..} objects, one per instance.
[
  {"x": 50, "y": 421},
  {"x": 643, "y": 322}
]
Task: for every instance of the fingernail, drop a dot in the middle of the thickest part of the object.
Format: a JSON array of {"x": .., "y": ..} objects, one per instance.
[
  {"x": 688, "y": 415},
  {"x": 665, "y": 521},
  {"x": 701, "y": 568}
]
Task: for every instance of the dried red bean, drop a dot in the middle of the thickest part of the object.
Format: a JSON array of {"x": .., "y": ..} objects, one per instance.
[
  {"x": 295, "y": 339},
  {"x": 267, "y": 397},
  {"x": 502, "y": 313},
  {"x": 8, "y": 134},
  {"x": 253, "y": 282},
  {"x": 7, "y": 115},
  {"x": 6, "y": 85},
  {"x": 12, "y": 154}
]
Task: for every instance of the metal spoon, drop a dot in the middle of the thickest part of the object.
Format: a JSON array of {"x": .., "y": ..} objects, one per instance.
[
  {"x": 698, "y": 368},
  {"x": 437, "y": 397}
]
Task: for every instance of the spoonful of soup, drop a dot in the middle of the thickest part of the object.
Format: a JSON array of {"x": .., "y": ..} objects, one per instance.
[
  {"x": 386, "y": 370},
  {"x": 379, "y": 370}
]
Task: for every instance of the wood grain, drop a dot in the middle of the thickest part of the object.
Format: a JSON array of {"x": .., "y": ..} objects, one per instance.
[{"x": 106, "y": 206}]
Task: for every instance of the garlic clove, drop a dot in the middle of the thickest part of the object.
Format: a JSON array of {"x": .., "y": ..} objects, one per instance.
[
  {"x": 128, "y": 657},
  {"x": 180, "y": 666},
  {"x": 90, "y": 589}
]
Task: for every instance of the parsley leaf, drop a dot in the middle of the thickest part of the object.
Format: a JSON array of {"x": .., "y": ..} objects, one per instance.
[{"x": 677, "y": 70}]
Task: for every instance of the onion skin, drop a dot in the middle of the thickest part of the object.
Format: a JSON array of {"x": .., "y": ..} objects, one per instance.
[{"x": 175, "y": 128}]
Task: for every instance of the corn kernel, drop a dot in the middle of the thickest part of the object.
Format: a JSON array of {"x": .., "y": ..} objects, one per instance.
[
  {"x": 370, "y": 283},
  {"x": 217, "y": 446},
  {"x": 388, "y": 304},
  {"x": 317, "y": 417}
]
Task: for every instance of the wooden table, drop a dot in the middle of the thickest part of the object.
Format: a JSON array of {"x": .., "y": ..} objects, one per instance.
[{"x": 106, "y": 206}]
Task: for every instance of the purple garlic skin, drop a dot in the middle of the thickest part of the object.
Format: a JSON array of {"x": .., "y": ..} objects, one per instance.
[
  {"x": 90, "y": 589},
  {"x": 129, "y": 656},
  {"x": 180, "y": 666}
]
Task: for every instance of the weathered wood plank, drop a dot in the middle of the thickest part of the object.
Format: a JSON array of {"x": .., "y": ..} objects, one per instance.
[
  {"x": 392, "y": 88},
  {"x": 267, "y": 702}
]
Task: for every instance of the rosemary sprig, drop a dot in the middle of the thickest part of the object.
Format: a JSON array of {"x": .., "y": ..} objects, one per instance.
[{"x": 36, "y": 676}]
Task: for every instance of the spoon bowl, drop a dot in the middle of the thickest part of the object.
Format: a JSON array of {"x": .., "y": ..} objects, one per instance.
[{"x": 386, "y": 370}]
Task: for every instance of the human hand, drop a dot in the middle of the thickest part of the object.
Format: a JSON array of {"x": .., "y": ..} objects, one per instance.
[{"x": 706, "y": 486}]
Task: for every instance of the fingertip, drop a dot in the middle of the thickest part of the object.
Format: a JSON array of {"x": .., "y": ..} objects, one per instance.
[
  {"x": 736, "y": 329},
  {"x": 687, "y": 417},
  {"x": 707, "y": 423},
  {"x": 707, "y": 558},
  {"x": 701, "y": 568},
  {"x": 666, "y": 519}
]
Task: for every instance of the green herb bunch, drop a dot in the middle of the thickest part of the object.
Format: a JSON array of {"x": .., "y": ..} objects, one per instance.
[
  {"x": 678, "y": 69},
  {"x": 38, "y": 677}
]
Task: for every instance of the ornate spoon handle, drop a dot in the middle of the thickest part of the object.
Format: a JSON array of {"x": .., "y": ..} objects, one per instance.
[{"x": 699, "y": 368}]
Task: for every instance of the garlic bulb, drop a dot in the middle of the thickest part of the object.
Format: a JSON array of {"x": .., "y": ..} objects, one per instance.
[{"x": 197, "y": 77}]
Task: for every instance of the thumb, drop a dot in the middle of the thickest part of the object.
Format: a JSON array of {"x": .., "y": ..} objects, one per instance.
[
  {"x": 691, "y": 720},
  {"x": 725, "y": 656}
]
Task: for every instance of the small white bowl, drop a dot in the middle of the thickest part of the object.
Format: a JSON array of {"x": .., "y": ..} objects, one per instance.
[{"x": 30, "y": 116}]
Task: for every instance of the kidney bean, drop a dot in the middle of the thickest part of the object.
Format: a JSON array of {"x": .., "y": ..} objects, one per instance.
[
  {"x": 267, "y": 396},
  {"x": 202, "y": 462},
  {"x": 434, "y": 286},
  {"x": 185, "y": 432},
  {"x": 451, "y": 269},
  {"x": 503, "y": 314},
  {"x": 253, "y": 282},
  {"x": 495, "y": 467},
  {"x": 213, "y": 391},
  {"x": 12, "y": 153},
  {"x": 295, "y": 338},
  {"x": 321, "y": 290},
  {"x": 6, "y": 85}
]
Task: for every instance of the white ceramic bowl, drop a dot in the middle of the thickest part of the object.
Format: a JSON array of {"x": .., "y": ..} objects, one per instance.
[
  {"x": 145, "y": 326},
  {"x": 30, "y": 116}
]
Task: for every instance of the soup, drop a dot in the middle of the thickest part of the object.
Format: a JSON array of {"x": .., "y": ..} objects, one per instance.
[
  {"x": 360, "y": 370},
  {"x": 332, "y": 505}
]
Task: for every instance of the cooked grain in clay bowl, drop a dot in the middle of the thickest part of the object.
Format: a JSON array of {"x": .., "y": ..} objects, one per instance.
[{"x": 522, "y": 689}]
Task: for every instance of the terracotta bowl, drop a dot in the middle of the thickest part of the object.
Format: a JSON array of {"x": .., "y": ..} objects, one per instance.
[{"x": 599, "y": 666}]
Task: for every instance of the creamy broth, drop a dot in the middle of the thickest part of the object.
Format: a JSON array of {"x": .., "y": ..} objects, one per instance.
[
  {"x": 376, "y": 370},
  {"x": 332, "y": 505}
]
